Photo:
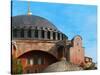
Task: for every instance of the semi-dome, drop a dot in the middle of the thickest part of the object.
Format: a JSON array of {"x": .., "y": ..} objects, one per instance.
[
  {"x": 62, "y": 66},
  {"x": 31, "y": 21}
]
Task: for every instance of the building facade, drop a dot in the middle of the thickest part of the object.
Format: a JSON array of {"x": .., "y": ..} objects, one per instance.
[{"x": 37, "y": 43}]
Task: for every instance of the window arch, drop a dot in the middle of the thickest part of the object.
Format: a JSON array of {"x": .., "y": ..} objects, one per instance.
[
  {"x": 58, "y": 36},
  {"x": 48, "y": 34},
  {"x": 54, "y": 35},
  {"x": 22, "y": 33},
  {"x": 42, "y": 33},
  {"x": 36, "y": 33},
  {"x": 29, "y": 33},
  {"x": 62, "y": 36}
]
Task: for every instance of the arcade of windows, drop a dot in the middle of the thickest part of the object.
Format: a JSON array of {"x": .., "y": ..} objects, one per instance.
[
  {"x": 35, "y": 61},
  {"x": 30, "y": 33}
]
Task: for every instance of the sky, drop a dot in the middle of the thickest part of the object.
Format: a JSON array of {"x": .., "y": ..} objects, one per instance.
[{"x": 71, "y": 19}]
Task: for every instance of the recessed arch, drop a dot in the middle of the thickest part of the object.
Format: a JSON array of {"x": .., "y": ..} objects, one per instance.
[{"x": 36, "y": 52}]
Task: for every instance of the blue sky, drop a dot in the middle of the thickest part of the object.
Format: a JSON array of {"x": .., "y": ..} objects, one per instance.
[{"x": 71, "y": 19}]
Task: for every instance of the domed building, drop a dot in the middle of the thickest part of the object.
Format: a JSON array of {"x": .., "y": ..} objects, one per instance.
[{"x": 38, "y": 44}]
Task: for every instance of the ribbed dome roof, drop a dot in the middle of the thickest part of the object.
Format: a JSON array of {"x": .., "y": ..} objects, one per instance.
[
  {"x": 62, "y": 66},
  {"x": 31, "y": 21}
]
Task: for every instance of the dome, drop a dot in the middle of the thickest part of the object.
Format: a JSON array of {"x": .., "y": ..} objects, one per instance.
[
  {"x": 31, "y": 21},
  {"x": 62, "y": 66},
  {"x": 34, "y": 27}
]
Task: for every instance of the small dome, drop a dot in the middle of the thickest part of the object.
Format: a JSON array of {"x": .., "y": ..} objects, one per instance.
[
  {"x": 62, "y": 66},
  {"x": 31, "y": 21}
]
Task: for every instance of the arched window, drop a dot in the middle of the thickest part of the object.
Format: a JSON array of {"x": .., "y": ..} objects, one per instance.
[
  {"x": 22, "y": 33},
  {"x": 48, "y": 34},
  {"x": 29, "y": 33},
  {"x": 54, "y": 35},
  {"x": 15, "y": 33},
  {"x": 42, "y": 34},
  {"x": 36, "y": 33},
  {"x": 58, "y": 36}
]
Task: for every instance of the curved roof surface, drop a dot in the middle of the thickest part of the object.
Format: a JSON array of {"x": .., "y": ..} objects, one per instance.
[{"x": 31, "y": 21}]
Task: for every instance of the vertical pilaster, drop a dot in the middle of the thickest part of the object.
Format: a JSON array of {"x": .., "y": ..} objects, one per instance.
[
  {"x": 32, "y": 33},
  {"x": 45, "y": 34},
  {"x": 51, "y": 35},
  {"x": 39, "y": 34},
  {"x": 60, "y": 36}
]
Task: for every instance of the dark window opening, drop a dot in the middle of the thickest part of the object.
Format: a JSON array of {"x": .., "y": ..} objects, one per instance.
[
  {"x": 35, "y": 60},
  {"x": 58, "y": 36},
  {"x": 15, "y": 33},
  {"x": 22, "y": 32},
  {"x": 36, "y": 34},
  {"x": 62, "y": 37},
  {"x": 54, "y": 35},
  {"x": 29, "y": 33},
  {"x": 48, "y": 34},
  {"x": 42, "y": 62},
  {"x": 42, "y": 34}
]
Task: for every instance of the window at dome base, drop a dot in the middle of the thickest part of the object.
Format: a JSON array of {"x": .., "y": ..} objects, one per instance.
[
  {"x": 58, "y": 36},
  {"x": 42, "y": 33},
  {"x": 29, "y": 33},
  {"x": 22, "y": 33},
  {"x": 48, "y": 34},
  {"x": 36, "y": 33},
  {"x": 54, "y": 35}
]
